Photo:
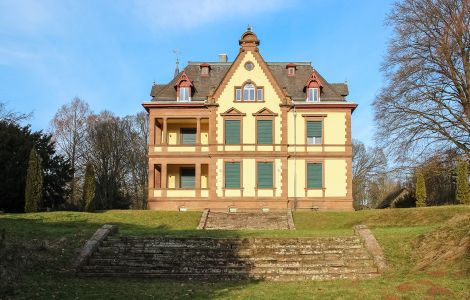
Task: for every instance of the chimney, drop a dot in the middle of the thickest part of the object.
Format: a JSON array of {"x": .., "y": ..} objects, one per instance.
[{"x": 223, "y": 58}]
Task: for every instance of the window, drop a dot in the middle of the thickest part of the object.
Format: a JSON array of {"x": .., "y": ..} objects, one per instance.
[
  {"x": 249, "y": 92},
  {"x": 249, "y": 66},
  {"x": 264, "y": 129},
  {"x": 259, "y": 94},
  {"x": 314, "y": 175},
  {"x": 291, "y": 71},
  {"x": 204, "y": 71},
  {"x": 184, "y": 94},
  {"x": 238, "y": 94},
  {"x": 314, "y": 132},
  {"x": 312, "y": 95},
  {"x": 187, "y": 178},
  {"x": 265, "y": 175},
  {"x": 232, "y": 132},
  {"x": 232, "y": 175},
  {"x": 188, "y": 136}
]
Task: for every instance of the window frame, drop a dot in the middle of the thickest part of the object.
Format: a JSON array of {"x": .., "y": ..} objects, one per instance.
[
  {"x": 306, "y": 132},
  {"x": 314, "y": 117},
  {"x": 322, "y": 163},
  {"x": 273, "y": 178},
  {"x": 233, "y": 118},
  {"x": 240, "y": 162},
  {"x": 265, "y": 118},
  {"x": 310, "y": 94},
  {"x": 181, "y": 175},
  {"x": 256, "y": 90},
  {"x": 181, "y": 135},
  {"x": 181, "y": 89}
]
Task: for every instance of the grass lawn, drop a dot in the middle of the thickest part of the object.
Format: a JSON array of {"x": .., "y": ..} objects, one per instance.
[{"x": 45, "y": 245}]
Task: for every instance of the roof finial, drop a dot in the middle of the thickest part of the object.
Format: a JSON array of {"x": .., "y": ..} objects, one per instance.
[
  {"x": 177, "y": 69},
  {"x": 249, "y": 28}
]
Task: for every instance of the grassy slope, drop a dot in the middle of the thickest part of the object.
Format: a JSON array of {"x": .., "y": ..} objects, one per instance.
[{"x": 60, "y": 234}]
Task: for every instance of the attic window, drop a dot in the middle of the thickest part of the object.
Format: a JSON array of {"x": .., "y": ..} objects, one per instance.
[
  {"x": 204, "y": 71},
  {"x": 291, "y": 71},
  {"x": 184, "y": 94}
]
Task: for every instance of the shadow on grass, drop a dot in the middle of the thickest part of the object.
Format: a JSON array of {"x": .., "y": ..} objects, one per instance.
[{"x": 50, "y": 275}]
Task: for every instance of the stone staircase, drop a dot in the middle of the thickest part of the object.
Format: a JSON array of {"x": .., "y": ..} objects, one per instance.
[
  {"x": 248, "y": 220},
  {"x": 277, "y": 259}
]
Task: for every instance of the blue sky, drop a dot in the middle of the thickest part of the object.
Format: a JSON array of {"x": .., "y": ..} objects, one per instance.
[{"x": 109, "y": 52}]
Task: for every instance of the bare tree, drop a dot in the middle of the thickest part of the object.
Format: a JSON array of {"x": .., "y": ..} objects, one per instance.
[
  {"x": 425, "y": 105},
  {"x": 369, "y": 165},
  {"x": 108, "y": 148},
  {"x": 69, "y": 127},
  {"x": 136, "y": 127},
  {"x": 11, "y": 116}
]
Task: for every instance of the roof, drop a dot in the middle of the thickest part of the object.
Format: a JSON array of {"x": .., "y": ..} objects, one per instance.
[{"x": 294, "y": 85}]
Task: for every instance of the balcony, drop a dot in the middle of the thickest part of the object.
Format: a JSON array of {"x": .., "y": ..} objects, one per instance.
[
  {"x": 180, "y": 135},
  {"x": 180, "y": 181}
]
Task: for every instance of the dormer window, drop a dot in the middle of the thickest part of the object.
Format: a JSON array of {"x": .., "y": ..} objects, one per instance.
[
  {"x": 313, "y": 88},
  {"x": 312, "y": 95},
  {"x": 183, "y": 87},
  {"x": 205, "y": 68},
  {"x": 184, "y": 94},
  {"x": 291, "y": 69}
]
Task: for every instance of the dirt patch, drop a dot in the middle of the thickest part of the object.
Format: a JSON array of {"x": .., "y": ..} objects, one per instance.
[
  {"x": 449, "y": 242},
  {"x": 425, "y": 282},
  {"x": 392, "y": 297},
  {"x": 406, "y": 287},
  {"x": 439, "y": 291}
]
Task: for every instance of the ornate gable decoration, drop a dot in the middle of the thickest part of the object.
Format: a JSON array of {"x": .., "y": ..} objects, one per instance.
[
  {"x": 248, "y": 42},
  {"x": 183, "y": 79},
  {"x": 265, "y": 112},
  {"x": 233, "y": 112},
  {"x": 313, "y": 80}
]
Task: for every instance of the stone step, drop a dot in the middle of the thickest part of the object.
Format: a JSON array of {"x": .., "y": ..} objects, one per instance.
[
  {"x": 236, "y": 270},
  {"x": 233, "y": 262},
  {"x": 232, "y": 241},
  {"x": 229, "y": 252},
  {"x": 220, "y": 277}
]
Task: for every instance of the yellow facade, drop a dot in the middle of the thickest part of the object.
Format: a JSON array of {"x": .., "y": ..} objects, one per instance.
[{"x": 290, "y": 152}]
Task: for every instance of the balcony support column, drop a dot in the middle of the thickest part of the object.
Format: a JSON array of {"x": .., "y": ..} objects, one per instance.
[
  {"x": 198, "y": 180},
  {"x": 164, "y": 177},
  {"x": 165, "y": 133}
]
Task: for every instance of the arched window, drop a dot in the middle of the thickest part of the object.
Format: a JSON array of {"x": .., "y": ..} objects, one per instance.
[{"x": 249, "y": 92}]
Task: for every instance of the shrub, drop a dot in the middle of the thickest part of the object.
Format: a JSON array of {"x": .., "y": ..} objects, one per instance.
[{"x": 420, "y": 190}]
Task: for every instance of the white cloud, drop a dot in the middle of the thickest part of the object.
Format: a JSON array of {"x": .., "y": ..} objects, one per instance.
[{"x": 189, "y": 13}]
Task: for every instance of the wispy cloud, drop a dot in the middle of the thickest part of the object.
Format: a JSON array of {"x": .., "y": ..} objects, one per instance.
[{"x": 188, "y": 14}]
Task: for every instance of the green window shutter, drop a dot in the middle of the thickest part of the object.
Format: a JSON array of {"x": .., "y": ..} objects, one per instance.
[
  {"x": 188, "y": 178},
  {"x": 314, "y": 129},
  {"x": 314, "y": 176},
  {"x": 232, "y": 175},
  {"x": 265, "y": 175},
  {"x": 232, "y": 132},
  {"x": 265, "y": 131},
  {"x": 188, "y": 136}
]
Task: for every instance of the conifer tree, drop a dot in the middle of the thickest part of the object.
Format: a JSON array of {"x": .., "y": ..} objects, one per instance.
[
  {"x": 420, "y": 190},
  {"x": 34, "y": 183},
  {"x": 463, "y": 191},
  {"x": 89, "y": 187}
]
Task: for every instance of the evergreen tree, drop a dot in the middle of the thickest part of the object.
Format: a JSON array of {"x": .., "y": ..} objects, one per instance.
[
  {"x": 89, "y": 187},
  {"x": 34, "y": 183},
  {"x": 420, "y": 190},
  {"x": 463, "y": 190}
]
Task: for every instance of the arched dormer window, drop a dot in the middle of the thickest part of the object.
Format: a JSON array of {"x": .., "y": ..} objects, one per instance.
[
  {"x": 313, "y": 88},
  {"x": 183, "y": 88},
  {"x": 249, "y": 92}
]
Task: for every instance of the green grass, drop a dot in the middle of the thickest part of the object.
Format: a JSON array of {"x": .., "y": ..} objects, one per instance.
[{"x": 46, "y": 272}]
